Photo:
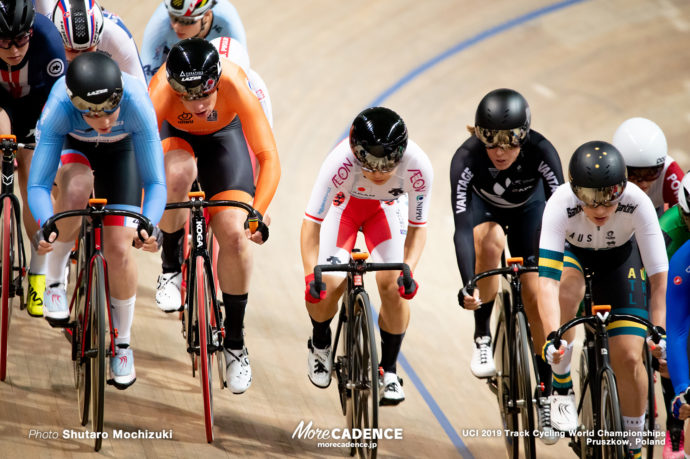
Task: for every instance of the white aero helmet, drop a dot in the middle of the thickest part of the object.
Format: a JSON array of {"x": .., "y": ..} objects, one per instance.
[
  {"x": 80, "y": 23},
  {"x": 232, "y": 50},
  {"x": 189, "y": 8},
  {"x": 642, "y": 143}
]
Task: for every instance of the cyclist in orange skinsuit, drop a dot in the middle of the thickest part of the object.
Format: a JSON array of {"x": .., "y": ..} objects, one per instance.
[{"x": 202, "y": 110}]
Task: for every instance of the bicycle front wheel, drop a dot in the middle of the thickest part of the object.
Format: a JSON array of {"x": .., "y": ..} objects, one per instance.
[
  {"x": 586, "y": 397},
  {"x": 363, "y": 407},
  {"x": 201, "y": 301},
  {"x": 610, "y": 418},
  {"x": 5, "y": 294},
  {"x": 502, "y": 358},
  {"x": 522, "y": 397},
  {"x": 97, "y": 347},
  {"x": 651, "y": 399}
]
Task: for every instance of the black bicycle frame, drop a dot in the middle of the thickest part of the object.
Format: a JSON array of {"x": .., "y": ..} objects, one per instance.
[
  {"x": 597, "y": 342},
  {"x": 199, "y": 248},
  {"x": 9, "y": 152},
  {"x": 93, "y": 253}
]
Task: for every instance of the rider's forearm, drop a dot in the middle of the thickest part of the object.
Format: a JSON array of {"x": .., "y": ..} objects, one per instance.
[
  {"x": 549, "y": 307},
  {"x": 657, "y": 283},
  {"x": 309, "y": 244},
  {"x": 414, "y": 245}
]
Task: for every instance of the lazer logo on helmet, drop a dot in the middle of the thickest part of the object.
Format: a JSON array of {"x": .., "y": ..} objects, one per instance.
[
  {"x": 191, "y": 78},
  {"x": 97, "y": 92}
]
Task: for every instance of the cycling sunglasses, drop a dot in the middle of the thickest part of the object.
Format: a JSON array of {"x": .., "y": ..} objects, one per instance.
[
  {"x": 595, "y": 197},
  {"x": 645, "y": 174},
  {"x": 504, "y": 138},
  {"x": 91, "y": 110},
  {"x": 18, "y": 41},
  {"x": 185, "y": 20}
]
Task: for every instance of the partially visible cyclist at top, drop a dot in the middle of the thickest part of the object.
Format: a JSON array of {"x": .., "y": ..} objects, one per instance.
[
  {"x": 496, "y": 178},
  {"x": 205, "y": 108},
  {"x": 176, "y": 20},
  {"x": 675, "y": 224},
  {"x": 84, "y": 27},
  {"x": 237, "y": 54},
  {"x": 643, "y": 145},
  {"x": 102, "y": 120},
  {"x": 32, "y": 60},
  {"x": 601, "y": 222},
  {"x": 360, "y": 185}
]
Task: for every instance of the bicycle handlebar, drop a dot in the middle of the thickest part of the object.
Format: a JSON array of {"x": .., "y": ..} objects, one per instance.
[
  {"x": 9, "y": 144},
  {"x": 50, "y": 225},
  {"x": 655, "y": 331},
  {"x": 254, "y": 216},
  {"x": 361, "y": 268},
  {"x": 514, "y": 269}
]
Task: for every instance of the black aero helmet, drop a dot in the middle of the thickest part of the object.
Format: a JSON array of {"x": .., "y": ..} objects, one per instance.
[
  {"x": 94, "y": 83},
  {"x": 503, "y": 118},
  {"x": 378, "y": 139},
  {"x": 16, "y": 17},
  {"x": 193, "y": 68},
  {"x": 597, "y": 173}
]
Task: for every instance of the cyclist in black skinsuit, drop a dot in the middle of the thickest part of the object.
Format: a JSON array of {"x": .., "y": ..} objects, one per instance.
[{"x": 495, "y": 179}]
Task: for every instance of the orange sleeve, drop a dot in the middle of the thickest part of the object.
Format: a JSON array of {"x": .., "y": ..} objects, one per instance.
[
  {"x": 259, "y": 136},
  {"x": 157, "y": 93}
]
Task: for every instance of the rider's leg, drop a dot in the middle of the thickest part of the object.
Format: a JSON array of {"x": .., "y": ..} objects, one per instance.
[
  {"x": 631, "y": 378},
  {"x": 122, "y": 278},
  {"x": 489, "y": 242}
]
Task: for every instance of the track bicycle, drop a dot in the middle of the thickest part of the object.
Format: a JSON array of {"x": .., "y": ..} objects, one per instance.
[
  {"x": 512, "y": 349},
  {"x": 90, "y": 321},
  {"x": 599, "y": 405},
  {"x": 13, "y": 258},
  {"x": 356, "y": 367},
  {"x": 202, "y": 316}
]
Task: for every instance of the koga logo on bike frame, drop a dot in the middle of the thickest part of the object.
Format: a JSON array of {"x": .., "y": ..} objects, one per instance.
[{"x": 199, "y": 233}]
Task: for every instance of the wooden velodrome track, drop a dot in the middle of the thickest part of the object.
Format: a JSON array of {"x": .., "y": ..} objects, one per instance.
[{"x": 584, "y": 67}]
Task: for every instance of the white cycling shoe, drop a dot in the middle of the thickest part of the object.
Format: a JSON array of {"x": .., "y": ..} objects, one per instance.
[
  {"x": 238, "y": 370},
  {"x": 168, "y": 297}
]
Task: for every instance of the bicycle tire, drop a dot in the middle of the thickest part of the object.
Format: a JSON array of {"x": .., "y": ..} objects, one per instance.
[
  {"x": 339, "y": 361},
  {"x": 98, "y": 343},
  {"x": 80, "y": 335},
  {"x": 6, "y": 303},
  {"x": 610, "y": 419},
  {"x": 201, "y": 310},
  {"x": 651, "y": 398},
  {"x": 502, "y": 361},
  {"x": 364, "y": 375},
  {"x": 586, "y": 413},
  {"x": 523, "y": 397}
]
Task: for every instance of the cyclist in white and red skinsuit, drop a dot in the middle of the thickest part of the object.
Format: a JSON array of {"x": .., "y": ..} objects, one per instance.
[{"x": 360, "y": 186}]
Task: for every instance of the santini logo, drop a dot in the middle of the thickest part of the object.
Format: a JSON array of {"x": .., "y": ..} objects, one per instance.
[{"x": 97, "y": 92}]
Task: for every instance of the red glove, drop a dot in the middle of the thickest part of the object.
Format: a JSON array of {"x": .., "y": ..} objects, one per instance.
[
  {"x": 312, "y": 292},
  {"x": 407, "y": 290}
]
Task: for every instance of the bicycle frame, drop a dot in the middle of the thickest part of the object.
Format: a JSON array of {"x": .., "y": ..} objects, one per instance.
[
  {"x": 514, "y": 314},
  {"x": 197, "y": 337},
  {"x": 346, "y": 367},
  {"x": 596, "y": 319},
  {"x": 91, "y": 326},
  {"x": 12, "y": 270}
]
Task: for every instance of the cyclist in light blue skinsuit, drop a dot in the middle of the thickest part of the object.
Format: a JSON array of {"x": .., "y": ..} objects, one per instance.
[
  {"x": 100, "y": 124},
  {"x": 174, "y": 20}
]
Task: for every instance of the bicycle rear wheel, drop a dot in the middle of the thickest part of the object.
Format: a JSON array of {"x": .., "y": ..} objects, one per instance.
[
  {"x": 522, "y": 398},
  {"x": 5, "y": 287},
  {"x": 363, "y": 409},
  {"x": 201, "y": 300},
  {"x": 611, "y": 422},
  {"x": 98, "y": 348}
]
